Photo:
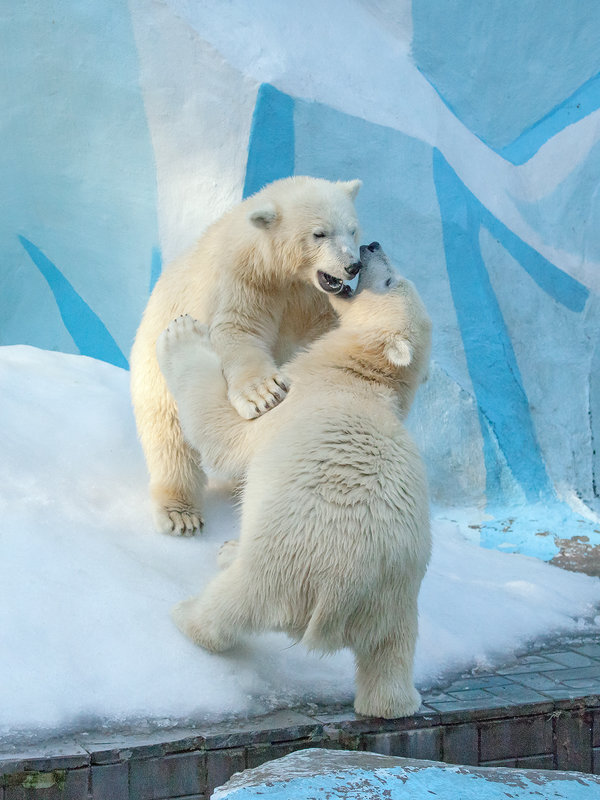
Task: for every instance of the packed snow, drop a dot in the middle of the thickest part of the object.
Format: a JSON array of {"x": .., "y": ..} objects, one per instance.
[{"x": 86, "y": 584}]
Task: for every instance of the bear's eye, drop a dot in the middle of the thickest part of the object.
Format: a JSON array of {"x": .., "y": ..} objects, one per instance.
[
  {"x": 353, "y": 232},
  {"x": 319, "y": 234}
]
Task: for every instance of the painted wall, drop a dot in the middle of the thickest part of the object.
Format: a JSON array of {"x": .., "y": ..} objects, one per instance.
[{"x": 475, "y": 129}]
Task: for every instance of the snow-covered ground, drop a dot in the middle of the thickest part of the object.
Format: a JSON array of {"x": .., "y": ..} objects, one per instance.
[{"x": 86, "y": 584}]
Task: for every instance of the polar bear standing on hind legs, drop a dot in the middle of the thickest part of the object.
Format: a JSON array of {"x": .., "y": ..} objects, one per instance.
[
  {"x": 335, "y": 535},
  {"x": 259, "y": 277}
]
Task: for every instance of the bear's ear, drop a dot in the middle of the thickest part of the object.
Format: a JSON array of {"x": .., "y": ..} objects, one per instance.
[
  {"x": 398, "y": 351},
  {"x": 351, "y": 188},
  {"x": 265, "y": 216}
]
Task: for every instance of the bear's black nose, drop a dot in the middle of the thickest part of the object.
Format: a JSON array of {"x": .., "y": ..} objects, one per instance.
[
  {"x": 353, "y": 269},
  {"x": 374, "y": 246}
]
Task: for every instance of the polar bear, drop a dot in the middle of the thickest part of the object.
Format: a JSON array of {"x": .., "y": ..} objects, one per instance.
[
  {"x": 335, "y": 535},
  {"x": 259, "y": 277}
]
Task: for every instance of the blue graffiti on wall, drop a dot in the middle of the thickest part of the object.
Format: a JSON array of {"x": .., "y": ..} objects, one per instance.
[
  {"x": 502, "y": 402},
  {"x": 271, "y": 147},
  {"x": 505, "y": 417},
  {"x": 155, "y": 267},
  {"x": 87, "y": 329},
  {"x": 495, "y": 65},
  {"x": 287, "y": 135},
  {"x": 80, "y": 201},
  {"x": 490, "y": 357},
  {"x": 579, "y": 105}
]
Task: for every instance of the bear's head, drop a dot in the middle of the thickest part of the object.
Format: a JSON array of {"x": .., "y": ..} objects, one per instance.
[
  {"x": 312, "y": 229},
  {"x": 386, "y": 323}
]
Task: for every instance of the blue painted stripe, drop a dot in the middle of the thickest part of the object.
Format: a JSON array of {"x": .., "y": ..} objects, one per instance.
[
  {"x": 558, "y": 284},
  {"x": 155, "y": 267},
  {"x": 494, "y": 489},
  {"x": 271, "y": 150},
  {"x": 86, "y": 328},
  {"x": 453, "y": 110},
  {"x": 579, "y": 105},
  {"x": 490, "y": 356}
]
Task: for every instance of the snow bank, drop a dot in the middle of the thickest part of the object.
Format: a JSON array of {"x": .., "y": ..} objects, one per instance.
[{"x": 86, "y": 584}]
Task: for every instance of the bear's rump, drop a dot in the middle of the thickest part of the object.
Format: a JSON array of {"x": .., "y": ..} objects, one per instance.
[
  {"x": 328, "y": 592},
  {"x": 346, "y": 614}
]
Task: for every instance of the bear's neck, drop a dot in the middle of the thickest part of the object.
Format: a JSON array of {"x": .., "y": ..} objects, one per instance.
[
  {"x": 343, "y": 351},
  {"x": 270, "y": 261}
]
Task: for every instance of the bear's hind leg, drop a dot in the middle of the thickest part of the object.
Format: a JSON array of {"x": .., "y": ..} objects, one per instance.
[
  {"x": 177, "y": 481},
  {"x": 384, "y": 671},
  {"x": 177, "y": 498},
  {"x": 384, "y": 686},
  {"x": 217, "y": 618}
]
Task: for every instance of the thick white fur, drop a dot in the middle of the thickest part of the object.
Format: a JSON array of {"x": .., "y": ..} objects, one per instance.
[
  {"x": 253, "y": 278},
  {"x": 335, "y": 527}
]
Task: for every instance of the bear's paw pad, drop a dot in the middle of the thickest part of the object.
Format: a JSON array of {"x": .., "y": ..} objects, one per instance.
[{"x": 181, "y": 332}]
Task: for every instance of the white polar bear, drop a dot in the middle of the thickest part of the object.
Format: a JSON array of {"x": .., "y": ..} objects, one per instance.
[
  {"x": 259, "y": 277},
  {"x": 335, "y": 535}
]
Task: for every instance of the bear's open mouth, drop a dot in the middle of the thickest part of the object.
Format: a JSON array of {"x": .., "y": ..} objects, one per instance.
[{"x": 333, "y": 285}]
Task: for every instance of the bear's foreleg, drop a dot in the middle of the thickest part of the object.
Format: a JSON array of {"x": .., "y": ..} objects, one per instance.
[
  {"x": 194, "y": 376},
  {"x": 243, "y": 333}
]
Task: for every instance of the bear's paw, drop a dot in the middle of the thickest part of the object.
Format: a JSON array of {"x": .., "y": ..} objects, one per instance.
[
  {"x": 227, "y": 553},
  {"x": 178, "y": 521},
  {"x": 387, "y": 702},
  {"x": 260, "y": 396},
  {"x": 190, "y": 617}
]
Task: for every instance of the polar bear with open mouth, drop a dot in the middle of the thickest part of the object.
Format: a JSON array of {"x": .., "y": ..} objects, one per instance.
[
  {"x": 335, "y": 535},
  {"x": 259, "y": 277}
]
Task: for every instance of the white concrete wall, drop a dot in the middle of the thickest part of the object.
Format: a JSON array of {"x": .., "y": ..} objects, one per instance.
[{"x": 474, "y": 127}]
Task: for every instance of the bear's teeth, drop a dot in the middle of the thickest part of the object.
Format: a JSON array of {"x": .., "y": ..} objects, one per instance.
[
  {"x": 334, "y": 282},
  {"x": 329, "y": 283}
]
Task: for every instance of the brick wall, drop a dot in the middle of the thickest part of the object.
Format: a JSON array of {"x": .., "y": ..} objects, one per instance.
[{"x": 189, "y": 763}]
